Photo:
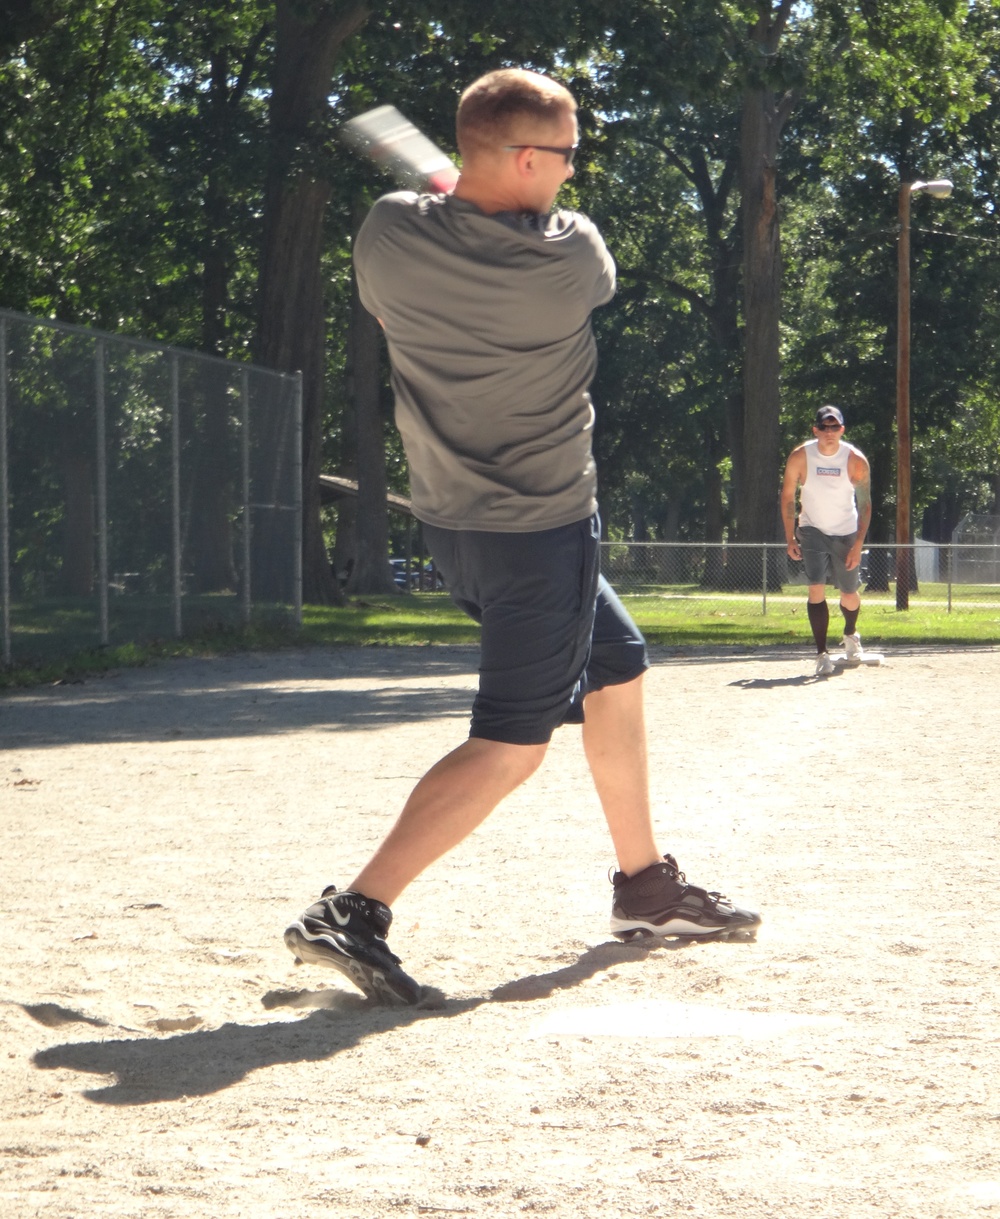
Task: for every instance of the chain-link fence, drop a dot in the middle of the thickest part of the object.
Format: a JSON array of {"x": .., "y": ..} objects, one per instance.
[
  {"x": 943, "y": 573},
  {"x": 145, "y": 490}
]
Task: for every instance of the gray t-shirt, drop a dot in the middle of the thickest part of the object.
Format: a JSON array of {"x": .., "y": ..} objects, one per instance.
[{"x": 487, "y": 319}]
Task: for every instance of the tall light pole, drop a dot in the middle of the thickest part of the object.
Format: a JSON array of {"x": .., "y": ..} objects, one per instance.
[{"x": 940, "y": 188}]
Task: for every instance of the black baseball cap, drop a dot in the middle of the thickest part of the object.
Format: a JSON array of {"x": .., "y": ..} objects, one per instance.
[{"x": 829, "y": 412}]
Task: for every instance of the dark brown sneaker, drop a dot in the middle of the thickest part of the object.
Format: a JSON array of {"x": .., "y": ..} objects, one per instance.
[
  {"x": 659, "y": 901},
  {"x": 347, "y": 931}
]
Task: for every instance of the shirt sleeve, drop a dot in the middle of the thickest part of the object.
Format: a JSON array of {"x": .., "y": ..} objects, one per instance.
[
  {"x": 597, "y": 265},
  {"x": 370, "y": 270}
]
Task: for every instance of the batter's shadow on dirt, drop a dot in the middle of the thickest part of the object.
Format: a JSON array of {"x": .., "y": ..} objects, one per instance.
[
  {"x": 150, "y": 1070},
  {"x": 598, "y": 959}
]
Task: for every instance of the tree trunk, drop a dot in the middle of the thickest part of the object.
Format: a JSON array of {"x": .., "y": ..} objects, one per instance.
[
  {"x": 764, "y": 115},
  {"x": 713, "y": 573},
  {"x": 208, "y": 542},
  {"x": 291, "y": 329},
  {"x": 759, "y": 459},
  {"x": 371, "y": 572}
]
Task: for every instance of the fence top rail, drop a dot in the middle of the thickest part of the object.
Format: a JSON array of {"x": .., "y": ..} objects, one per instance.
[
  {"x": 695, "y": 545},
  {"x": 109, "y": 336},
  {"x": 782, "y": 546}
]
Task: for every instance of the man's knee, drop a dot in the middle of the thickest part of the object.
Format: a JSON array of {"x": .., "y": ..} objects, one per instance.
[{"x": 519, "y": 761}]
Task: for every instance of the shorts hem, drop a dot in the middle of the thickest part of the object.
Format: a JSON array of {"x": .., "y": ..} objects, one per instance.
[
  {"x": 507, "y": 738},
  {"x": 619, "y": 679}
]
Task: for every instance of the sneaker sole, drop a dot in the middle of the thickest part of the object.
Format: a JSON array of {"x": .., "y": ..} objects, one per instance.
[
  {"x": 389, "y": 986},
  {"x": 681, "y": 929}
]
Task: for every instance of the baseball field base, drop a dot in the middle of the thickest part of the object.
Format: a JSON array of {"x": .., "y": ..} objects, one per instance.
[{"x": 867, "y": 658}]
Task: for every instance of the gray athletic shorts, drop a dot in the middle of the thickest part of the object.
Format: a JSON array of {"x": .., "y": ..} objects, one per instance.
[
  {"x": 823, "y": 557},
  {"x": 553, "y": 629}
]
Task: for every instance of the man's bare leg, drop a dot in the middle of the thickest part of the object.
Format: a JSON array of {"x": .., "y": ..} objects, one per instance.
[
  {"x": 454, "y": 797},
  {"x": 614, "y": 740},
  {"x": 662, "y": 903}
]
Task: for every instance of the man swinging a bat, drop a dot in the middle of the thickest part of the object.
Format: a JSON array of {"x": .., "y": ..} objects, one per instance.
[{"x": 485, "y": 296}]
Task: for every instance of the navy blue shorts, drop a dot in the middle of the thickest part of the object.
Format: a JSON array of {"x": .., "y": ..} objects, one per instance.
[{"x": 553, "y": 629}]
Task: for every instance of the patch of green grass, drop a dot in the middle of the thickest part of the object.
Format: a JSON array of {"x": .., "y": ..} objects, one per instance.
[
  {"x": 700, "y": 621},
  {"x": 675, "y": 617},
  {"x": 372, "y": 621}
]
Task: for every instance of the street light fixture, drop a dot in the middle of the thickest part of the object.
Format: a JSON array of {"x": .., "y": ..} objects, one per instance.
[{"x": 939, "y": 188}]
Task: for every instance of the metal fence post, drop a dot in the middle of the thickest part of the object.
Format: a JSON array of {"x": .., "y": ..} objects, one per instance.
[
  {"x": 948, "y": 553},
  {"x": 4, "y": 498},
  {"x": 763, "y": 608},
  {"x": 297, "y": 571},
  {"x": 245, "y": 457},
  {"x": 175, "y": 482},
  {"x": 102, "y": 491}
]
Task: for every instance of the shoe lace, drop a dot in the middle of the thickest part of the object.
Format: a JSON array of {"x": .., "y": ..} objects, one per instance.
[
  {"x": 712, "y": 894},
  {"x": 672, "y": 864}
]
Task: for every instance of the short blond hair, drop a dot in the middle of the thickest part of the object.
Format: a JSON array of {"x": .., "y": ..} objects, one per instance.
[{"x": 494, "y": 109}]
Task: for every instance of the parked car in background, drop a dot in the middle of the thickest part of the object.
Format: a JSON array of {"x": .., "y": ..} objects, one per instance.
[
  {"x": 401, "y": 577},
  {"x": 410, "y": 579}
]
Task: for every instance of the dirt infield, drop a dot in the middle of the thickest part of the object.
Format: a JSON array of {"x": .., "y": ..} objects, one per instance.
[{"x": 164, "y": 1057}]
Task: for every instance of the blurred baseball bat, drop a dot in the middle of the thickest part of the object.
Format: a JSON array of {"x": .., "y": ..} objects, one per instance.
[{"x": 401, "y": 149}]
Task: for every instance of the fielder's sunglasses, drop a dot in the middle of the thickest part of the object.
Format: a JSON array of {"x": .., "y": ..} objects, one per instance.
[{"x": 567, "y": 154}]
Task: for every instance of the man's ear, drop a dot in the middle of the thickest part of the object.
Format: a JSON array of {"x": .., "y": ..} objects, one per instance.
[{"x": 524, "y": 161}]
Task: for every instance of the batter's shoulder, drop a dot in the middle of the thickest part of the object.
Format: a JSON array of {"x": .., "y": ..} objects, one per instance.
[{"x": 583, "y": 244}]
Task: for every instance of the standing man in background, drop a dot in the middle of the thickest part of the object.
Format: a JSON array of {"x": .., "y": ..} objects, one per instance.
[
  {"x": 485, "y": 296},
  {"x": 833, "y": 481}
]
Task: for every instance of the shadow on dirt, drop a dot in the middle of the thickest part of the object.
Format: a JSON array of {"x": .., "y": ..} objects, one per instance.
[
  {"x": 775, "y": 683},
  {"x": 148, "y": 1070},
  {"x": 212, "y": 708},
  {"x": 594, "y": 961}
]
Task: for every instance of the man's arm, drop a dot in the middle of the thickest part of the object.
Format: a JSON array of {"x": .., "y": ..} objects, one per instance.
[
  {"x": 795, "y": 471},
  {"x": 860, "y": 474}
]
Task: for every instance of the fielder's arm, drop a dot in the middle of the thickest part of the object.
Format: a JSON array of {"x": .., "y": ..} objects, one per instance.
[
  {"x": 795, "y": 471},
  {"x": 861, "y": 476}
]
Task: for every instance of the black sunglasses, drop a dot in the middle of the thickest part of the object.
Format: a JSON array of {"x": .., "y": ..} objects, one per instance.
[
  {"x": 567, "y": 154},
  {"x": 829, "y": 427}
]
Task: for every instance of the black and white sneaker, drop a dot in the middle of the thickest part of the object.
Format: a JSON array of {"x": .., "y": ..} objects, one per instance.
[
  {"x": 659, "y": 901},
  {"x": 347, "y": 931}
]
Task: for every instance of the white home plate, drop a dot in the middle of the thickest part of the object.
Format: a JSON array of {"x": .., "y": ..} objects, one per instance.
[
  {"x": 983, "y": 1193},
  {"x": 868, "y": 658},
  {"x": 664, "y": 1019}
]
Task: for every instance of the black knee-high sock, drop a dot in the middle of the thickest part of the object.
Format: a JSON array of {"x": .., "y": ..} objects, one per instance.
[
  {"x": 850, "y": 618},
  {"x": 819, "y": 620}
]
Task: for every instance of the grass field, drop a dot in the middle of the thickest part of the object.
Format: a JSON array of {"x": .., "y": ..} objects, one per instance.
[{"x": 47, "y": 643}]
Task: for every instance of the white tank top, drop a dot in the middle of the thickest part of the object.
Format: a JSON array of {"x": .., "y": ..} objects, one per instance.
[{"x": 827, "y": 495}]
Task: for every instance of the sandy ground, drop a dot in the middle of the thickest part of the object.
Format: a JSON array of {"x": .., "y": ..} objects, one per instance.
[{"x": 163, "y": 1056}]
